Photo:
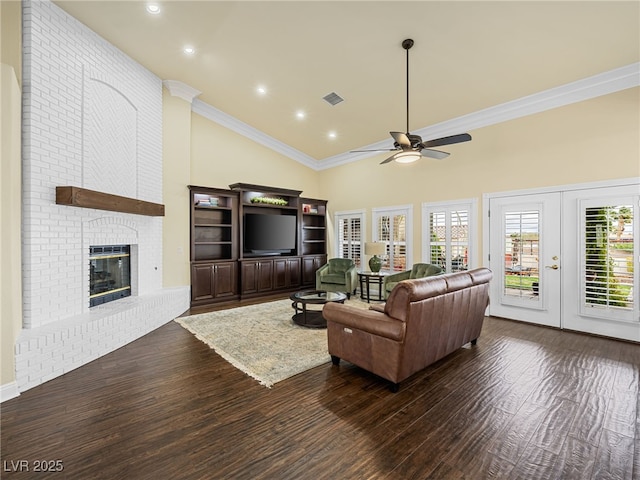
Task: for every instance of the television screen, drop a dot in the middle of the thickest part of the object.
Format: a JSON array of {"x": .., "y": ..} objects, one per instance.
[{"x": 269, "y": 233}]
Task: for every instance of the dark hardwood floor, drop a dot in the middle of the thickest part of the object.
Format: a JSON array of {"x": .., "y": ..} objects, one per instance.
[{"x": 526, "y": 403}]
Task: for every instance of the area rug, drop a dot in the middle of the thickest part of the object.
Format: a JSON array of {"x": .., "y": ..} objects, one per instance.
[{"x": 262, "y": 340}]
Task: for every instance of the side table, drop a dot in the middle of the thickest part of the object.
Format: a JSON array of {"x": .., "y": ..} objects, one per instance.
[{"x": 367, "y": 278}]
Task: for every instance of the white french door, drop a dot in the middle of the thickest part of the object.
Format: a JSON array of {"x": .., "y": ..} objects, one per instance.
[
  {"x": 601, "y": 240},
  {"x": 568, "y": 259},
  {"x": 525, "y": 258}
]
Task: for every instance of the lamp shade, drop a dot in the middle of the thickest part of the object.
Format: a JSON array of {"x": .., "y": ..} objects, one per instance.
[{"x": 374, "y": 248}]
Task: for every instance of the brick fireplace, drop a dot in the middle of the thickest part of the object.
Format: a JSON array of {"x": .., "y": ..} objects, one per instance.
[{"x": 92, "y": 118}]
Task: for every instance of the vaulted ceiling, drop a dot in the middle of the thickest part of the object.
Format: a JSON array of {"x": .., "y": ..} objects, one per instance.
[{"x": 467, "y": 57}]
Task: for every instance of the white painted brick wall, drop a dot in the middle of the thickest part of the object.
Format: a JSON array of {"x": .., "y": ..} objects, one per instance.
[{"x": 89, "y": 113}]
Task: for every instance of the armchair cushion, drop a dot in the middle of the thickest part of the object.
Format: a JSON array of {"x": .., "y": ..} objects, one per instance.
[
  {"x": 422, "y": 270},
  {"x": 339, "y": 265},
  {"x": 419, "y": 270}
]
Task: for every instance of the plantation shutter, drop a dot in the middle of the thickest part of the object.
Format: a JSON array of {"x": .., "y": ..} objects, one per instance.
[
  {"x": 521, "y": 246},
  {"x": 447, "y": 235},
  {"x": 392, "y": 228},
  {"x": 349, "y": 233},
  {"x": 608, "y": 259}
]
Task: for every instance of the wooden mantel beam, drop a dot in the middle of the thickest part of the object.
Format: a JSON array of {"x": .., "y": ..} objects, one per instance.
[{"x": 81, "y": 197}]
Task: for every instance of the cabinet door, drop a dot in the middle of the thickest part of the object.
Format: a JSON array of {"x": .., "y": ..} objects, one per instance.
[
  {"x": 294, "y": 271},
  {"x": 249, "y": 276},
  {"x": 280, "y": 273},
  {"x": 257, "y": 276},
  {"x": 265, "y": 275},
  {"x": 286, "y": 272},
  {"x": 225, "y": 279},
  {"x": 202, "y": 284}
]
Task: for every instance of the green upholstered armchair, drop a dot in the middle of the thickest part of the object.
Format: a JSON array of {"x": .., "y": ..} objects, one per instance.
[
  {"x": 419, "y": 270},
  {"x": 337, "y": 275}
]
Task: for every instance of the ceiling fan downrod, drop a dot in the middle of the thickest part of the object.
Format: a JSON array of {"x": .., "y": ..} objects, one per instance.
[{"x": 407, "y": 44}]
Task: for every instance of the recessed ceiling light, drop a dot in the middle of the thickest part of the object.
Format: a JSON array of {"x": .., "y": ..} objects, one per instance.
[
  {"x": 261, "y": 90},
  {"x": 153, "y": 8},
  {"x": 189, "y": 50},
  {"x": 300, "y": 114},
  {"x": 332, "y": 135}
]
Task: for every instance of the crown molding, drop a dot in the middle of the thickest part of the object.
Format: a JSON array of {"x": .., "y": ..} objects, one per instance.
[
  {"x": 182, "y": 90},
  {"x": 232, "y": 123},
  {"x": 591, "y": 87}
]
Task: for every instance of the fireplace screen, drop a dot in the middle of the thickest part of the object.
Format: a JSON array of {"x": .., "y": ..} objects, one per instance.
[{"x": 110, "y": 273}]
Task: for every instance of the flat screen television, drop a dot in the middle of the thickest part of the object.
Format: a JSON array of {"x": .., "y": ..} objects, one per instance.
[{"x": 266, "y": 234}]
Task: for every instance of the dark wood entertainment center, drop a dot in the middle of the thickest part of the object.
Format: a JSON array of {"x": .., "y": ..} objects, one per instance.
[{"x": 222, "y": 269}]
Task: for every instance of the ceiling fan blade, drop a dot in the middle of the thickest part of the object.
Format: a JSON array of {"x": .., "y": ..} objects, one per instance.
[
  {"x": 438, "y": 142},
  {"x": 401, "y": 139},
  {"x": 437, "y": 154},
  {"x": 392, "y": 157}
]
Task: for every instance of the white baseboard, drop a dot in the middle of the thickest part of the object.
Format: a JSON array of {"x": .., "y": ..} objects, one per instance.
[{"x": 8, "y": 391}]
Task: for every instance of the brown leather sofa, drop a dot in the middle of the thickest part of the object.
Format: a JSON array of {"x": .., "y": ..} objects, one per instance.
[{"x": 422, "y": 321}]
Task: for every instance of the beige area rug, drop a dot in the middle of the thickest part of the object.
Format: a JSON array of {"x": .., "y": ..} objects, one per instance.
[{"x": 262, "y": 340}]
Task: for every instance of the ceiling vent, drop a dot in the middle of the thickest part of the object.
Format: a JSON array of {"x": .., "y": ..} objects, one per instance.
[{"x": 333, "y": 98}]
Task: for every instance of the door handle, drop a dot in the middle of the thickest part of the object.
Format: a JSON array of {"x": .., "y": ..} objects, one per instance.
[{"x": 553, "y": 267}]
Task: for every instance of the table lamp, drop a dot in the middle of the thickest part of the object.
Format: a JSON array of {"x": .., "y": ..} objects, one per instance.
[{"x": 375, "y": 249}]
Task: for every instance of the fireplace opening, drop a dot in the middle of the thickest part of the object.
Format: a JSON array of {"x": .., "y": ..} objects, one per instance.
[{"x": 110, "y": 273}]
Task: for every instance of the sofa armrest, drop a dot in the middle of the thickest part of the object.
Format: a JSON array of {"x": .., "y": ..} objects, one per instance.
[{"x": 369, "y": 321}]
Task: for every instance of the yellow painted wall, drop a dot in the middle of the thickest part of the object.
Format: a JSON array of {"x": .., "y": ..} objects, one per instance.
[
  {"x": 176, "y": 133},
  {"x": 595, "y": 140},
  {"x": 220, "y": 157},
  {"x": 11, "y": 35},
  {"x": 10, "y": 184},
  {"x": 10, "y": 212}
]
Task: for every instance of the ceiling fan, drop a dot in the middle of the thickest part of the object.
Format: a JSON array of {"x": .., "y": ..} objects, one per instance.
[{"x": 410, "y": 148}]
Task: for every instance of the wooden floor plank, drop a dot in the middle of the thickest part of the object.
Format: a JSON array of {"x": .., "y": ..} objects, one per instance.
[{"x": 525, "y": 402}]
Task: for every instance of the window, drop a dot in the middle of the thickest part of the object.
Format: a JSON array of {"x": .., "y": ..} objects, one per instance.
[
  {"x": 393, "y": 227},
  {"x": 521, "y": 257},
  {"x": 608, "y": 257},
  {"x": 448, "y": 234},
  {"x": 349, "y": 241}
]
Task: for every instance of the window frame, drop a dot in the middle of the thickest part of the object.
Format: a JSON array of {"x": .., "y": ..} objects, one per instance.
[
  {"x": 407, "y": 211},
  {"x": 349, "y": 214},
  {"x": 471, "y": 205}
]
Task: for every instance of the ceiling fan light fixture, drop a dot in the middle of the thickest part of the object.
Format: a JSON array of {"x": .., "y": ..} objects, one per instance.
[{"x": 407, "y": 157}]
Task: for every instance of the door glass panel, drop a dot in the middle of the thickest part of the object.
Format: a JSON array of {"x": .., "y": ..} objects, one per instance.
[
  {"x": 521, "y": 247},
  {"x": 608, "y": 264}
]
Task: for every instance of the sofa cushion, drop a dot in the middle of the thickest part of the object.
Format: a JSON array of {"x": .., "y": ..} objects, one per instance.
[{"x": 458, "y": 281}]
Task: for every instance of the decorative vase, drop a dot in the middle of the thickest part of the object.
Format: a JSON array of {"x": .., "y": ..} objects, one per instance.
[{"x": 375, "y": 264}]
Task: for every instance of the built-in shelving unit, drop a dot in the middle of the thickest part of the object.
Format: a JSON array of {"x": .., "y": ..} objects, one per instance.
[
  {"x": 223, "y": 267},
  {"x": 314, "y": 226},
  {"x": 214, "y": 245}
]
